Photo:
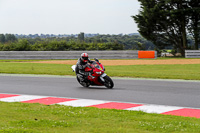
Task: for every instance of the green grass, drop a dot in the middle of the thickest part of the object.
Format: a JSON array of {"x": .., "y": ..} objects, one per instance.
[
  {"x": 24, "y": 117},
  {"x": 35, "y": 68},
  {"x": 187, "y": 72},
  {"x": 27, "y": 118},
  {"x": 28, "y": 60}
]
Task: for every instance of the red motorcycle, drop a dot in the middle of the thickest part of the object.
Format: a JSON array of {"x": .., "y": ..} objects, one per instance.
[{"x": 98, "y": 77}]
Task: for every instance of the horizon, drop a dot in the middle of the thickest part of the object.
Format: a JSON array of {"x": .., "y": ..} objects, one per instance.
[{"x": 73, "y": 34}]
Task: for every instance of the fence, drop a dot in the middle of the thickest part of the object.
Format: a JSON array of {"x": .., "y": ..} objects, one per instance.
[
  {"x": 129, "y": 54},
  {"x": 192, "y": 53}
]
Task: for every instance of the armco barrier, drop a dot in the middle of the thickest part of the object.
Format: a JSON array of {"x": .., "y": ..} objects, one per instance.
[
  {"x": 122, "y": 54},
  {"x": 192, "y": 53},
  {"x": 147, "y": 54}
]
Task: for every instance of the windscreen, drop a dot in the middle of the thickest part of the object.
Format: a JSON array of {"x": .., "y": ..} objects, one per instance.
[{"x": 94, "y": 64}]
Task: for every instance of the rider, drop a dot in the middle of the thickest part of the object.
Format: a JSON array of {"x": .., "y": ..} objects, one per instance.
[{"x": 81, "y": 65}]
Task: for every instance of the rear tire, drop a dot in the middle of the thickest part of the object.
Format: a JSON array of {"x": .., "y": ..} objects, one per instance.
[
  {"x": 84, "y": 84},
  {"x": 108, "y": 82}
]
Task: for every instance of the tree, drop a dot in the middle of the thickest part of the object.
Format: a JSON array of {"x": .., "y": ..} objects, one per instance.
[
  {"x": 148, "y": 19},
  {"x": 194, "y": 25},
  {"x": 10, "y": 38},
  {"x": 22, "y": 45},
  {"x": 2, "y": 38},
  {"x": 81, "y": 37},
  {"x": 164, "y": 22},
  {"x": 140, "y": 46}
]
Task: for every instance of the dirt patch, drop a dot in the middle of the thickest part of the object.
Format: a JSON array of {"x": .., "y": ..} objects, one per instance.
[{"x": 128, "y": 62}]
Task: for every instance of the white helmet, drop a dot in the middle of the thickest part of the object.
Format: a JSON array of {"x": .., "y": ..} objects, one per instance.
[{"x": 84, "y": 57}]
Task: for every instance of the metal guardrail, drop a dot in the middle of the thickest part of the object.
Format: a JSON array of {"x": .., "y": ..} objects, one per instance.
[
  {"x": 114, "y": 54},
  {"x": 192, "y": 53}
]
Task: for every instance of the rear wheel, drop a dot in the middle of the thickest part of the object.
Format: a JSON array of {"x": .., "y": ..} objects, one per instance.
[
  {"x": 84, "y": 84},
  {"x": 108, "y": 82}
]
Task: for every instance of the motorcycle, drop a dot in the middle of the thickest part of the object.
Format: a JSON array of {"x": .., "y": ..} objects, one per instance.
[{"x": 98, "y": 77}]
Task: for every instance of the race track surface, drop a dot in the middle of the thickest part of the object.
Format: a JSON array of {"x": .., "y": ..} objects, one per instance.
[{"x": 142, "y": 91}]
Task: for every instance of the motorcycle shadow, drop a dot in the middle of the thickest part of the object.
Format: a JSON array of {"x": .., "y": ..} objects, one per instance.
[{"x": 95, "y": 88}]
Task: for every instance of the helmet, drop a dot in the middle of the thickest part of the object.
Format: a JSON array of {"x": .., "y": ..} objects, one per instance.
[{"x": 84, "y": 57}]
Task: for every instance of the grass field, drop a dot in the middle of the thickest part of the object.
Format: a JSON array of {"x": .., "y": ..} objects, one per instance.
[
  {"x": 184, "y": 71},
  {"x": 27, "y": 118},
  {"x": 37, "y": 118}
]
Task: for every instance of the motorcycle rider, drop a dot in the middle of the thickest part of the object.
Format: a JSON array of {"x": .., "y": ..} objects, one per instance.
[{"x": 81, "y": 64}]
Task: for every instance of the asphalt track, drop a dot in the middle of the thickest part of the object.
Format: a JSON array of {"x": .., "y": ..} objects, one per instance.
[{"x": 149, "y": 91}]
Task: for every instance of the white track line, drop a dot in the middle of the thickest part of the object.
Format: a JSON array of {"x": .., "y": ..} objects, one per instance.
[
  {"x": 82, "y": 102},
  {"x": 21, "y": 98},
  {"x": 155, "y": 108}
]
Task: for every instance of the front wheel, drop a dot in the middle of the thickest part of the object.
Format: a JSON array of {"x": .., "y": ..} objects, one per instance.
[{"x": 108, "y": 82}]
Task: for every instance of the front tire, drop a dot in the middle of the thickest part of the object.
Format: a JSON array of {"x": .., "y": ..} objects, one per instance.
[{"x": 108, "y": 82}]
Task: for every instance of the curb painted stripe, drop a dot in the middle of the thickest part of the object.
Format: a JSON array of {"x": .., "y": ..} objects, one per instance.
[
  {"x": 115, "y": 105},
  {"x": 7, "y": 95},
  {"x": 185, "y": 112},
  {"x": 48, "y": 100},
  {"x": 148, "y": 108}
]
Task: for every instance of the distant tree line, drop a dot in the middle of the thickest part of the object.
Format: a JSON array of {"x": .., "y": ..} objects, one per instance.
[
  {"x": 7, "y": 38},
  {"x": 10, "y": 42}
]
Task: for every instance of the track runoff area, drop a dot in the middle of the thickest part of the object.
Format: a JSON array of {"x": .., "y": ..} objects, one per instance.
[{"x": 74, "y": 102}]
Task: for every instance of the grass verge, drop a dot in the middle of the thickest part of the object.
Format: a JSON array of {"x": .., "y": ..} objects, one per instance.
[
  {"x": 186, "y": 71},
  {"x": 25, "y": 117}
]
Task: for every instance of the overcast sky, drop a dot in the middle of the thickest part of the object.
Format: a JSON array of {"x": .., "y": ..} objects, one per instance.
[{"x": 68, "y": 16}]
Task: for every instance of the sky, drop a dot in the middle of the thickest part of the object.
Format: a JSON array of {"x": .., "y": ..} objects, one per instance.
[{"x": 68, "y": 16}]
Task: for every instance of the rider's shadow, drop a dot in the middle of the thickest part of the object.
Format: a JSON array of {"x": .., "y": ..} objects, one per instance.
[{"x": 95, "y": 88}]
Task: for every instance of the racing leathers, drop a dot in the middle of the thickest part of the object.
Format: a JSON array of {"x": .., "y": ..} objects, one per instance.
[{"x": 80, "y": 69}]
